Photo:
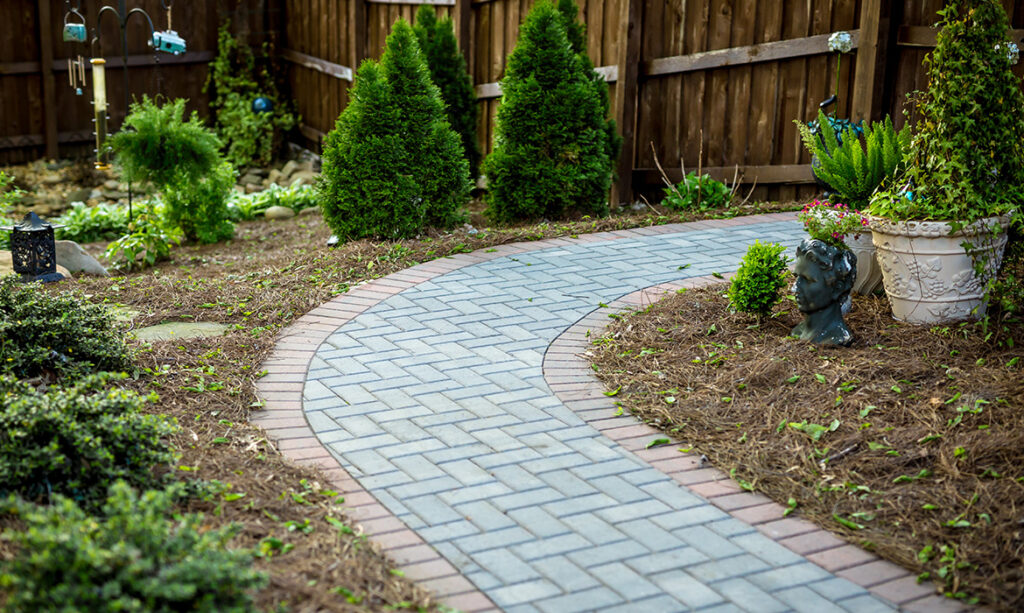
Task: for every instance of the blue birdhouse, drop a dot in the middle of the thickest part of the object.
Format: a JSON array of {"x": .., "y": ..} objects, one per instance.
[{"x": 168, "y": 41}]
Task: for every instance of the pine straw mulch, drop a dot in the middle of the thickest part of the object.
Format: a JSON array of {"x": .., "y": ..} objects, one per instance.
[
  {"x": 906, "y": 443},
  {"x": 270, "y": 274}
]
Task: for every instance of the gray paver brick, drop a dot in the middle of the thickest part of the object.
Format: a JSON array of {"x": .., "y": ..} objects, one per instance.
[
  {"x": 485, "y": 515},
  {"x": 727, "y": 568},
  {"x": 865, "y": 604},
  {"x": 666, "y": 560},
  {"x": 749, "y": 597},
  {"x": 804, "y": 600},
  {"x": 594, "y": 599},
  {"x": 707, "y": 541},
  {"x": 789, "y": 576},
  {"x": 523, "y": 592},
  {"x": 553, "y": 546},
  {"x": 432, "y": 510},
  {"x": 503, "y": 564},
  {"x": 493, "y": 539},
  {"x": 688, "y": 590},
  {"x": 562, "y": 572},
  {"x": 625, "y": 581}
]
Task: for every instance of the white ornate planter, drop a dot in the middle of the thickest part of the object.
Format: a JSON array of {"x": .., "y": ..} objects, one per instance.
[
  {"x": 869, "y": 274},
  {"x": 927, "y": 273}
]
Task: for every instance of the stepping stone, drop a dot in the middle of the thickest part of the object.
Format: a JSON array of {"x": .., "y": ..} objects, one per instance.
[{"x": 177, "y": 330}]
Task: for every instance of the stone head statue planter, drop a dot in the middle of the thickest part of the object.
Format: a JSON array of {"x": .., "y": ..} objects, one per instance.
[{"x": 824, "y": 278}]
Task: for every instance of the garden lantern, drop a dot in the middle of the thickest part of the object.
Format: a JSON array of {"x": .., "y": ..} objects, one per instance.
[{"x": 33, "y": 251}]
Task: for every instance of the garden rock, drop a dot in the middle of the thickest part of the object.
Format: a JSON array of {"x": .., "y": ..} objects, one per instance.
[
  {"x": 111, "y": 184},
  {"x": 290, "y": 167},
  {"x": 71, "y": 256},
  {"x": 313, "y": 210},
  {"x": 303, "y": 177},
  {"x": 79, "y": 195},
  {"x": 279, "y": 212},
  {"x": 178, "y": 330},
  {"x": 275, "y": 176}
]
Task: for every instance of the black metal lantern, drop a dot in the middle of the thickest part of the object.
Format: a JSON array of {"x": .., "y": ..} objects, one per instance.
[{"x": 33, "y": 251}]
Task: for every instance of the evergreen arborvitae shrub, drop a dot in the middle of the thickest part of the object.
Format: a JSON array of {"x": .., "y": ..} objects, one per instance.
[
  {"x": 550, "y": 142},
  {"x": 78, "y": 441},
  {"x": 761, "y": 276},
  {"x": 138, "y": 555},
  {"x": 448, "y": 71},
  {"x": 393, "y": 166},
  {"x": 577, "y": 34},
  {"x": 60, "y": 333}
]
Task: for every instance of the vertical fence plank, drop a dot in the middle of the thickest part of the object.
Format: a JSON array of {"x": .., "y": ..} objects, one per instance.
[
  {"x": 626, "y": 90},
  {"x": 862, "y": 106},
  {"x": 46, "y": 70}
]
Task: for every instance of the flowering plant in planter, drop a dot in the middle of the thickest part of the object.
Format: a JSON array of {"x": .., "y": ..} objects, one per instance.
[{"x": 832, "y": 222}]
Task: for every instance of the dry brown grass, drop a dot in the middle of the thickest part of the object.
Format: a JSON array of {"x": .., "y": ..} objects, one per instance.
[{"x": 928, "y": 445}]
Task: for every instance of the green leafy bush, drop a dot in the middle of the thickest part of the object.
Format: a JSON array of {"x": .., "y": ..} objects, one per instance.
[
  {"x": 854, "y": 168},
  {"x": 79, "y": 440},
  {"x": 966, "y": 159},
  {"x": 199, "y": 206},
  {"x": 149, "y": 240},
  {"x": 761, "y": 276},
  {"x": 392, "y": 165},
  {"x": 448, "y": 71},
  {"x": 57, "y": 332},
  {"x": 551, "y": 146},
  {"x": 695, "y": 193},
  {"x": 7, "y": 198},
  {"x": 138, "y": 556},
  {"x": 246, "y": 207},
  {"x": 90, "y": 224},
  {"x": 236, "y": 78},
  {"x": 158, "y": 145}
]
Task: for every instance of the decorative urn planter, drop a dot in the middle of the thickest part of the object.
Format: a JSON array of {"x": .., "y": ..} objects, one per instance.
[
  {"x": 928, "y": 275},
  {"x": 869, "y": 274}
]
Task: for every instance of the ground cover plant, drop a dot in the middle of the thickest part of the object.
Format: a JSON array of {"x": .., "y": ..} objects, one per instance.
[
  {"x": 910, "y": 443},
  {"x": 393, "y": 166},
  {"x": 551, "y": 147},
  {"x": 271, "y": 274}
]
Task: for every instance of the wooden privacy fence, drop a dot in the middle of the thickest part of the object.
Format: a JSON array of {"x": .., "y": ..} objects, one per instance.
[{"x": 708, "y": 83}]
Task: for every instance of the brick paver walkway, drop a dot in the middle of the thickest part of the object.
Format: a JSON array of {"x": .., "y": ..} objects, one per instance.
[{"x": 449, "y": 402}]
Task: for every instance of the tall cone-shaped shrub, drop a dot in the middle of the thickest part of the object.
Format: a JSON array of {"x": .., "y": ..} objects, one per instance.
[
  {"x": 577, "y": 33},
  {"x": 448, "y": 71},
  {"x": 550, "y": 146},
  {"x": 392, "y": 165}
]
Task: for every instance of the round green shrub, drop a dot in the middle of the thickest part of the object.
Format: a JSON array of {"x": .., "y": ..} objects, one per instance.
[
  {"x": 550, "y": 146},
  {"x": 761, "y": 276},
  {"x": 55, "y": 332},
  {"x": 393, "y": 166},
  {"x": 448, "y": 71},
  {"x": 79, "y": 440},
  {"x": 138, "y": 556},
  {"x": 199, "y": 206}
]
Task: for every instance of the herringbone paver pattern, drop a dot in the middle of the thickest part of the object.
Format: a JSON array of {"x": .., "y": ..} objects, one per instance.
[
  {"x": 435, "y": 401},
  {"x": 452, "y": 406}
]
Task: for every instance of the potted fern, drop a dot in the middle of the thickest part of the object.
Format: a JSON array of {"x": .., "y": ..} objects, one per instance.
[
  {"x": 854, "y": 163},
  {"x": 940, "y": 230}
]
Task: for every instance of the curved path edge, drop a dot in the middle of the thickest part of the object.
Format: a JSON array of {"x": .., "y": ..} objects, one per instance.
[{"x": 570, "y": 378}]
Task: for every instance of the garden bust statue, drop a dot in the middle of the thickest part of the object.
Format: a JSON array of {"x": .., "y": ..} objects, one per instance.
[{"x": 824, "y": 278}]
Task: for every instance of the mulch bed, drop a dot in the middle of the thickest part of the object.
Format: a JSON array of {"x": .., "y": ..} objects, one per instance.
[
  {"x": 910, "y": 443},
  {"x": 270, "y": 274}
]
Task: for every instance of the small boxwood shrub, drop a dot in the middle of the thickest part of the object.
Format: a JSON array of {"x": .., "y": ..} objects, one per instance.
[
  {"x": 199, "y": 206},
  {"x": 393, "y": 166},
  {"x": 550, "y": 146},
  {"x": 135, "y": 557},
  {"x": 59, "y": 333},
  {"x": 697, "y": 193},
  {"x": 77, "y": 441},
  {"x": 448, "y": 71},
  {"x": 761, "y": 276}
]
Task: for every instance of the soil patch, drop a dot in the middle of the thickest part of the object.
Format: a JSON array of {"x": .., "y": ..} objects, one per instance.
[{"x": 910, "y": 443}]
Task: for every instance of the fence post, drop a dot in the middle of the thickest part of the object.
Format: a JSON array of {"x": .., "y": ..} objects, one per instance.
[
  {"x": 630, "y": 33},
  {"x": 46, "y": 72},
  {"x": 359, "y": 34},
  {"x": 865, "y": 83},
  {"x": 464, "y": 13}
]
